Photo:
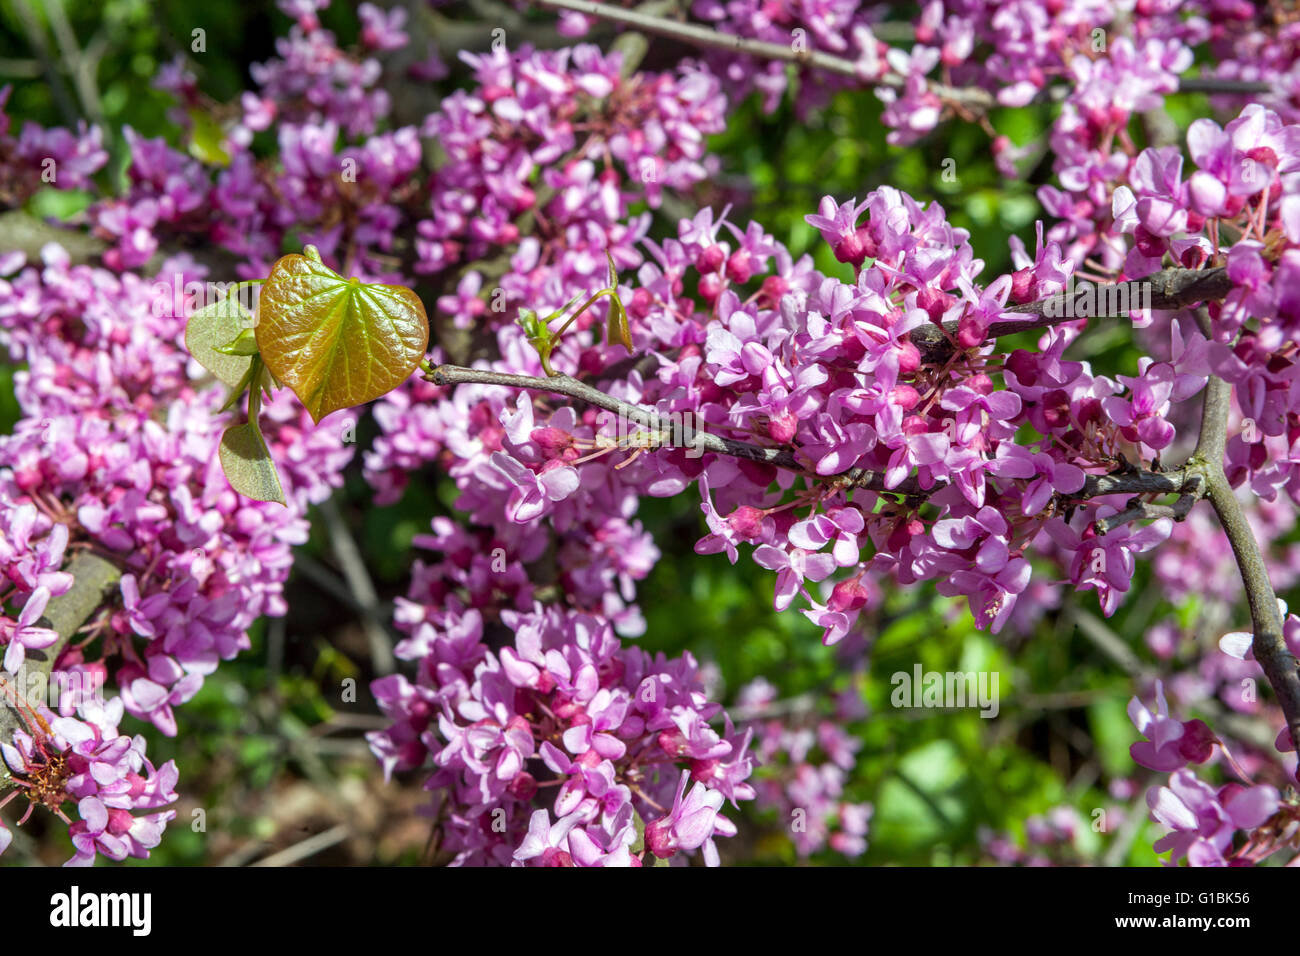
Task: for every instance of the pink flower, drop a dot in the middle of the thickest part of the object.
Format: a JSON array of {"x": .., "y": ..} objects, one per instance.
[
  {"x": 792, "y": 567},
  {"x": 1202, "y": 820},
  {"x": 1170, "y": 744},
  {"x": 535, "y": 490},
  {"x": 690, "y": 823},
  {"x": 23, "y": 635}
]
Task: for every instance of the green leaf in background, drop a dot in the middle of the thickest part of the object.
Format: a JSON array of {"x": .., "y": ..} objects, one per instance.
[
  {"x": 206, "y": 139},
  {"x": 1113, "y": 732},
  {"x": 245, "y": 344},
  {"x": 337, "y": 342},
  {"x": 60, "y": 204}
]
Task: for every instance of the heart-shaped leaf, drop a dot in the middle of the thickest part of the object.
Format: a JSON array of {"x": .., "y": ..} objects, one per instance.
[
  {"x": 337, "y": 342},
  {"x": 214, "y": 327},
  {"x": 248, "y": 465}
]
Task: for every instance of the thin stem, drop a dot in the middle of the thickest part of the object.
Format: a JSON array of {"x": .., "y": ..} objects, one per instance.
[
  {"x": 555, "y": 336},
  {"x": 1185, "y": 481},
  {"x": 702, "y": 36},
  {"x": 560, "y": 384},
  {"x": 360, "y": 585},
  {"x": 1171, "y": 289},
  {"x": 1269, "y": 644}
]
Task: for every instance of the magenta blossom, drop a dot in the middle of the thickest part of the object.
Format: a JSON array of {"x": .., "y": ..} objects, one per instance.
[
  {"x": 24, "y": 634},
  {"x": 1171, "y": 744},
  {"x": 1202, "y": 820},
  {"x": 688, "y": 825}
]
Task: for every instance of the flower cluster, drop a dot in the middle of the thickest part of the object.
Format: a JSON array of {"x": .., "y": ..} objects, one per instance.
[
  {"x": 804, "y": 767},
  {"x": 545, "y": 158},
  {"x": 561, "y": 748},
  {"x": 39, "y": 157},
  {"x": 1204, "y": 821},
  {"x": 106, "y": 773},
  {"x": 912, "y": 467},
  {"x": 1050, "y": 839}
]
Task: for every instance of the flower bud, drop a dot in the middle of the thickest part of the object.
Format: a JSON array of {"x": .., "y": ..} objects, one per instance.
[
  {"x": 909, "y": 358},
  {"x": 905, "y": 397},
  {"x": 1022, "y": 285},
  {"x": 848, "y": 595},
  {"x": 640, "y": 304},
  {"x": 523, "y": 786},
  {"x": 747, "y": 522},
  {"x": 971, "y": 331},
  {"x": 711, "y": 259},
  {"x": 740, "y": 266},
  {"x": 774, "y": 287},
  {"x": 552, "y": 441},
  {"x": 710, "y": 287},
  {"x": 1197, "y": 742},
  {"x": 782, "y": 427},
  {"x": 850, "y": 250}
]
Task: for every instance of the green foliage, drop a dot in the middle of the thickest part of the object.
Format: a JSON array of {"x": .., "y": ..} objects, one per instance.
[{"x": 208, "y": 333}]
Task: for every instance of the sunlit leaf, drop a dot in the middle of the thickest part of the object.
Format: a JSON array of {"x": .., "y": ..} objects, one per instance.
[
  {"x": 214, "y": 327},
  {"x": 248, "y": 465},
  {"x": 337, "y": 342}
]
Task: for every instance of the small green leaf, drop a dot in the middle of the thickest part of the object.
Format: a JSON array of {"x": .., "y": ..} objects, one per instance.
[
  {"x": 534, "y": 328},
  {"x": 562, "y": 309},
  {"x": 248, "y": 465},
  {"x": 237, "y": 391},
  {"x": 211, "y": 329},
  {"x": 638, "y": 845},
  {"x": 243, "y": 344},
  {"x": 616, "y": 329},
  {"x": 337, "y": 342}
]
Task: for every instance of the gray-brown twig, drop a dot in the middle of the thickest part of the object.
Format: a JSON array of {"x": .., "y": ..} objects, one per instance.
[
  {"x": 1269, "y": 644},
  {"x": 1175, "y": 288}
]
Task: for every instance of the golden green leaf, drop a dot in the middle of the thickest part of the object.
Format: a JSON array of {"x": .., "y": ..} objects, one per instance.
[{"x": 337, "y": 342}]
